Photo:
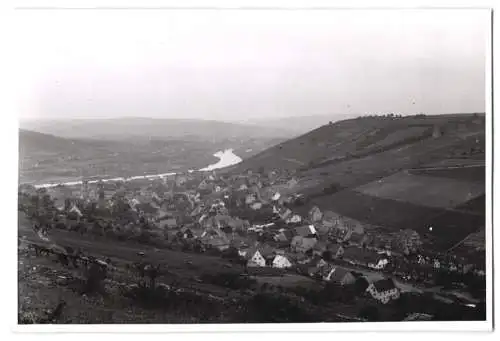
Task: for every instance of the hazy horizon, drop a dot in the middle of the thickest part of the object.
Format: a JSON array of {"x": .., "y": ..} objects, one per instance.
[{"x": 237, "y": 65}]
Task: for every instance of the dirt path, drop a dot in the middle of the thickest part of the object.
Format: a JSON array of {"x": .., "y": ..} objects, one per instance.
[
  {"x": 445, "y": 167},
  {"x": 294, "y": 161}
]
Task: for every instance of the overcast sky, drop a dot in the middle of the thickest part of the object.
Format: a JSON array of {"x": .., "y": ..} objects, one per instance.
[{"x": 238, "y": 64}]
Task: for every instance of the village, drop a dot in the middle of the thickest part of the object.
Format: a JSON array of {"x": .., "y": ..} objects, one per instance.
[{"x": 252, "y": 219}]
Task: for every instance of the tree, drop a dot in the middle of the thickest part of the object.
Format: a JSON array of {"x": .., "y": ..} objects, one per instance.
[
  {"x": 152, "y": 272},
  {"x": 408, "y": 241},
  {"x": 67, "y": 204},
  {"x": 95, "y": 278},
  {"x": 231, "y": 253},
  {"x": 327, "y": 255},
  {"x": 370, "y": 313},
  {"x": 361, "y": 284},
  {"x": 332, "y": 292}
]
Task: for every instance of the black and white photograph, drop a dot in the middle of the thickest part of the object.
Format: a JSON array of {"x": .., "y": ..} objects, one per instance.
[{"x": 222, "y": 166}]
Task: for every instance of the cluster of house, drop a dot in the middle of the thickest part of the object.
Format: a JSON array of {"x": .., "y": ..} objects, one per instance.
[
  {"x": 383, "y": 290},
  {"x": 197, "y": 208}
]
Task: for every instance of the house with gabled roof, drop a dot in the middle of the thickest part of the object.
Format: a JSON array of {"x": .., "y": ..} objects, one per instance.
[
  {"x": 284, "y": 236},
  {"x": 319, "y": 263},
  {"x": 74, "y": 209},
  {"x": 309, "y": 270},
  {"x": 254, "y": 258},
  {"x": 187, "y": 233},
  {"x": 360, "y": 256},
  {"x": 168, "y": 223},
  {"x": 322, "y": 230},
  {"x": 305, "y": 230},
  {"x": 133, "y": 203},
  {"x": 384, "y": 290},
  {"x": 379, "y": 264},
  {"x": 276, "y": 196},
  {"x": 197, "y": 232},
  {"x": 59, "y": 204},
  {"x": 240, "y": 184},
  {"x": 336, "y": 250},
  {"x": 254, "y": 179},
  {"x": 319, "y": 248},
  {"x": 292, "y": 182},
  {"x": 315, "y": 214},
  {"x": 180, "y": 179},
  {"x": 238, "y": 224},
  {"x": 281, "y": 261},
  {"x": 238, "y": 244},
  {"x": 285, "y": 213},
  {"x": 337, "y": 274},
  {"x": 301, "y": 258},
  {"x": 218, "y": 242},
  {"x": 356, "y": 238},
  {"x": 198, "y": 210},
  {"x": 146, "y": 208},
  {"x": 256, "y": 206},
  {"x": 250, "y": 199},
  {"x": 294, "y": 219},
  {"x": 203, "y": 185},
  {"x": 302, "y": 244},
  {"x": 329, "y": 219}
]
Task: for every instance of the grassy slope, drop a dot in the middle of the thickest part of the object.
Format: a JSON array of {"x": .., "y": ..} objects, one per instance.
[
  {"x": 352, "y": 153},
  {"x": 40, "y": 288},
  {"x": 358, "y": 138}
]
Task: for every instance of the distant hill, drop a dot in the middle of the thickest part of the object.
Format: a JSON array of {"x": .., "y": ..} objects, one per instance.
[
  {"x": 298, "y": 125},
  {"x": 149, "y": 128},
  {"x": 45, "y": 157},
  {"x": 35, "y": 142}
]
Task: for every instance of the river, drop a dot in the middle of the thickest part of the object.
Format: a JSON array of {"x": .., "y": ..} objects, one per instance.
[{"x": 226, "y": 158}]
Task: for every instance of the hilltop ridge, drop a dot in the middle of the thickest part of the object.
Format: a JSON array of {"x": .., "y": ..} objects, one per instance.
[
  {"x": 359, "y": 138},
  {"x": 152, "y": 128}
]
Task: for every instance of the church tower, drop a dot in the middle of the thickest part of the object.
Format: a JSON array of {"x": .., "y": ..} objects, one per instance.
[{"x": 84, "y": 192}]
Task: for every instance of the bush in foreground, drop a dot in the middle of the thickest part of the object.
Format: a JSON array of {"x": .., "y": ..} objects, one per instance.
[{"x": 274, "y": 308}]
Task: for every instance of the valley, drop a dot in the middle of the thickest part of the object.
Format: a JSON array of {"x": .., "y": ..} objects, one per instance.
[{"x": 382, "y": 201}]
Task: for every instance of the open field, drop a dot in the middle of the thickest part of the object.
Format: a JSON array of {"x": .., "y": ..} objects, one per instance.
[
  {"x": 290, "y": 280},
  {"x": 469, "y": 160},
  {"x": 425, "y": 190},
  {"x": 471, "y": 173},
  {"x": 386, "y": 215},
  {"x": 452, "y": 226},
  {"x": 377, "y": 211},
  {"x": 477, "y": 205},
  {"x": 476, "y": 240}
]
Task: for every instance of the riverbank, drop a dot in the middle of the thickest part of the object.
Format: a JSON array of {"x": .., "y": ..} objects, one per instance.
[{"x": 226, "y": 158}]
